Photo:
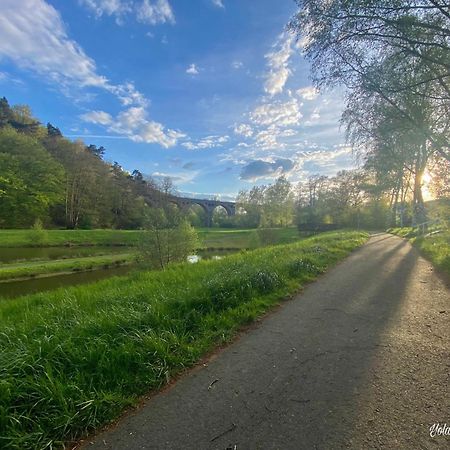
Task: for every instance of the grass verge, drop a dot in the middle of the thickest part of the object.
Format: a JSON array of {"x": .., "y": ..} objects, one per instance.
[
  {"x": 435, "y": 247},
  {"x": 39, "y": 268},
  {"x": 72, "y": 360}
]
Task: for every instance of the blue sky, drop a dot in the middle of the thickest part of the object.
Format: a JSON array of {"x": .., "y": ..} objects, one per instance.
[{"x": 214, "y": 93}]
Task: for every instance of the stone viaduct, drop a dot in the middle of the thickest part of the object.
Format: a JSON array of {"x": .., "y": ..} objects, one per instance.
[{"x": 208, "y": 205}]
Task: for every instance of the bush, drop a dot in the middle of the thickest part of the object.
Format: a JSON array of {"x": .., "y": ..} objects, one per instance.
[
  {"x": 163, "y": 242},
  {"x": 38, "y": 236}
]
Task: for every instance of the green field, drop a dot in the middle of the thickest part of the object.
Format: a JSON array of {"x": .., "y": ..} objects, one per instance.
[
  {"x": 56, "y": 238},
  {"x": 435, "y": 247},
  {"x": 71, "y": 360},
  {"x": 209, "y": 237}
]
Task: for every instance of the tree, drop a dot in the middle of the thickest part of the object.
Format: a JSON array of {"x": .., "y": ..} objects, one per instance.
[
  {"x": 278, "y": 203},
  {"x": 30, "y": 180},
  {"x": 53, "y": 131},
  {"x": 5, "y": 112},
  {"x": 23, "y": 121},
  {"x": 250, "y": 205},
  {"x": 362, "y": 43},
  {"x": 96, "y": 151},
  {"x": 168, "y": 238}
]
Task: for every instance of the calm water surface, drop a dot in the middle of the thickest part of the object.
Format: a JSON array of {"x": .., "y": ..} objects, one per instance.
[
  {"x": 19, "y": 254},
  {"x": 17, "y": 288}
]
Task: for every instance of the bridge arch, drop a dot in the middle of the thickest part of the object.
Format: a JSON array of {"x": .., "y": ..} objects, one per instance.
[{"x": 208, "y": 206}]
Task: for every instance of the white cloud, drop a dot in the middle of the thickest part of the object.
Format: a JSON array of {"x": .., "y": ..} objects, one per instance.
[
  {"x": 97, "y": 117},
  {"x": 278, "y": 61},
  {"x": 243, "y": 129},
  {"x": 315, "y": 115},
  {"x": 134, "y": 123},
  {"x": 192, "y": 69},
  {"x": 280, "y": 114},
  {"x": 237, "y": 65},
  {"x": 155, "y": 12},
  {"x": 107, "y": 7},
  {"x": 128, "y": 94},
  {"x": 150, "y": 12},
  {"x": 308, "y": 93},
  {"x": 218, "y": 3},
  {"x": 33, "y": 37},
  {"x": 206, "y": 142}
]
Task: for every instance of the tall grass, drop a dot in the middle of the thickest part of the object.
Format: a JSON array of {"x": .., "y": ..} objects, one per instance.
[{"x": 72, "y": 360}]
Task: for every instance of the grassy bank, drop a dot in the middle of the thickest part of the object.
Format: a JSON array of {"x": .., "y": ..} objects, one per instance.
[
  {"x": 40, "y": 268},
  {"x": 209, "y": 237},
  {"x": 435, "y": 247},
  {"x": 72, "y": 360}
]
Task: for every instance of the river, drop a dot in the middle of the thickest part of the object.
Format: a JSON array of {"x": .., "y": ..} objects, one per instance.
[{"x": 17, "y": 288}]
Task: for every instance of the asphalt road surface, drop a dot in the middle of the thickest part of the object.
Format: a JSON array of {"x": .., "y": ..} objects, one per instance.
[{"x": 360, "y": 360}]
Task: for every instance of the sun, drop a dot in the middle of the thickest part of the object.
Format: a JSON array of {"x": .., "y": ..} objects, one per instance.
[{"x": 426, "y": 188}]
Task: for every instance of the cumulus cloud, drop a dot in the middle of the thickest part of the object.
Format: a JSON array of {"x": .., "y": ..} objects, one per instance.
[
  {"x": 308, "y": 93},
  {"x": 278, "y": 61},
  {"x": 107, "y": 7},
  {"x": 243, "y": 129},
  {"x": 34, "y": 38},
  {"x": 206, "y": 142},
  {"x": 277, "y": 113},
  {"x": 193, "y": 69},
  {"x": 271, "y": 168},
  {"x": 150, "y": 12},
  {"x": 155, "y": 12},
  {"x": 97, "y": 117},
  {"x": 134, "y": 123}
]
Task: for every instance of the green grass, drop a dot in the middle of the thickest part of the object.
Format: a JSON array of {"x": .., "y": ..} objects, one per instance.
[
  {"x": 57, "y": 238},
  {"x": 39, "y": 268},
  {"x": 72, "y": 360},
  {"x": 436, "y": 247},
  {"x": 209, "y": 237},
  {"x": 242, "y": 239}
]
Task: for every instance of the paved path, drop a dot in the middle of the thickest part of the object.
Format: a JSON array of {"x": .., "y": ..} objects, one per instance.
[{"x": 359, "y": 360}]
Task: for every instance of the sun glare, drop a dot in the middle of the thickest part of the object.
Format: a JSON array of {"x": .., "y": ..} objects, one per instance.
[{"x": 426, "y": 187}]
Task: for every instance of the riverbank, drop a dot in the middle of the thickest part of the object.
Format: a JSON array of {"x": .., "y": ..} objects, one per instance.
[
  {"x": 435, "y": 247},
  {"x": 73, "y": 359},
  {"x": 27, "y": 270}
]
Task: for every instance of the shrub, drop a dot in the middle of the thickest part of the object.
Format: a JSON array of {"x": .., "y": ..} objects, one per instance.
[{"x": 38, "y": 236}]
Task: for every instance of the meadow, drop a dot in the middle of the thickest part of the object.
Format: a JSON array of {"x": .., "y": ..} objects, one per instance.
[
  {"x": 209, "y": 237},
  {"x": 73, "y": 359}
]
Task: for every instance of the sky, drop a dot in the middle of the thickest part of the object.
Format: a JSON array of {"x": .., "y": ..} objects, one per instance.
[{"x": 213, "y": 93}]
